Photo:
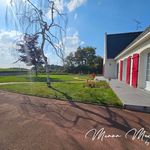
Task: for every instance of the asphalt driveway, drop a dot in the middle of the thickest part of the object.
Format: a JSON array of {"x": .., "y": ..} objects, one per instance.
[{"x": 32, "y": 123}]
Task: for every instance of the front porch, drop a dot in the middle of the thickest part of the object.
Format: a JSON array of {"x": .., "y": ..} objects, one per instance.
[{"x": 132, "y": 98}]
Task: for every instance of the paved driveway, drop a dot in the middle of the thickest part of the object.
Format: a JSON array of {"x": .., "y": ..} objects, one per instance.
[{"x": 31, "y": 123}]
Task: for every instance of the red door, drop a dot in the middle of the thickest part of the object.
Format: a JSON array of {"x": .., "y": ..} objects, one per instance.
[
  {"x": 128, "y": 70},
  {"x": 121, "y": 69},
  {"x": 135, "y": 70}
]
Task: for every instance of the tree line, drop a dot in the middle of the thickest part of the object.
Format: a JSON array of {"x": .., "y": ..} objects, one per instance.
[{"x": 83, "y": 60}]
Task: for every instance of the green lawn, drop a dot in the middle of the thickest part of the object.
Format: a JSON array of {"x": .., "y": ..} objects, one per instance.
[
  {"x": 12, "y": 69},
  {"x": 42, "y": 78},
  {"x": 64, "y": 87}
]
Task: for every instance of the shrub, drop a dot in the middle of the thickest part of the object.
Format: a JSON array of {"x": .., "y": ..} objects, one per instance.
[{"x": 93, "y": 84}]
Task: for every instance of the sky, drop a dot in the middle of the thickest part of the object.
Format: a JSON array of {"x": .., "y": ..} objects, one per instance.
[{"x": 88, "y": 20}]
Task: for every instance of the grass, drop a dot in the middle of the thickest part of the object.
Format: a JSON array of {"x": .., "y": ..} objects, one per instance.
[
  {"x": 42, "y": 78},
  {"x": 21, "y": 78},
  {"x": 64, "y": 87},
  {"x": 12, "y": 69},
  {"x": 93, "y": 84}
]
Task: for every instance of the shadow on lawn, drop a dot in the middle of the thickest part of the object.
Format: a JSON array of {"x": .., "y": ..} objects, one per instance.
[
  {"x": 69, "y": 98},
  {"x": 43, "y": 79},
  {"x": 102, "y": 101}
]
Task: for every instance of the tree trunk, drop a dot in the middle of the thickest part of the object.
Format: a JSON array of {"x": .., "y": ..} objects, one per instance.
[
  {"x": 45, "y": 60},
  {"x": 36, "y": 72},
  {"x": 47, "y": 72}
]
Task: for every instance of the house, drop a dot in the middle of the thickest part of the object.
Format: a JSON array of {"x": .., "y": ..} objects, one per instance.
[{"x": 127, "y": 58}]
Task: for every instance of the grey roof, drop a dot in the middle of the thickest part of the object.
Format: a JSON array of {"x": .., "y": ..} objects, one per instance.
[{"x": 116, "y": 43}]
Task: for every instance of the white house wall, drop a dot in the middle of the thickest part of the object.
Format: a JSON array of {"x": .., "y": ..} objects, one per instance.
[
  {"x": 142, "y": 49},
  {"x": 105, "y": 49},
  {"x": 143, "y": 68},
  {"x": 110, "y": 69},
  {"x": 124, "y": 70},
  {"x": 110, "y": 66}
]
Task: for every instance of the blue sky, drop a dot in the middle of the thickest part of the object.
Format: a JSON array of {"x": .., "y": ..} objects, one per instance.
[{"x": 88, "y": 20}]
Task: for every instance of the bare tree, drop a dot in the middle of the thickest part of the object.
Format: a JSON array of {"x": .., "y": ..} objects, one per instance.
[{"x": 42, "y": 18}]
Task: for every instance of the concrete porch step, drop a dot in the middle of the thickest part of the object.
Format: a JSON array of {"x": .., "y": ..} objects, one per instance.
[
  {"x": 132, "y": 98},
  {"x": 137, "y": 108}
]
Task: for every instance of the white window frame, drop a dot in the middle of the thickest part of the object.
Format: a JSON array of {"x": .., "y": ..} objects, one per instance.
[{"x": 148, "y": 68}]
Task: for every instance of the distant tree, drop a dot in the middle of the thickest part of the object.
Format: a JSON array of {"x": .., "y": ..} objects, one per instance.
[
  {"x": 90, "y": 55},
  {"x": 40, "y": 69},
  {"x": 29, "y": 52},
  {"x": 70, "y": 60},
  {"x": 80, "y": 56},
  {"x": 84, "y": 60},
  {"x": 56, "y": 68},
  {"x": 99, "y": 64}
]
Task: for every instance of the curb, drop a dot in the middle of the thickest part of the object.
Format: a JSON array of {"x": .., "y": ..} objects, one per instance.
[{"x": 145, "y": 109}]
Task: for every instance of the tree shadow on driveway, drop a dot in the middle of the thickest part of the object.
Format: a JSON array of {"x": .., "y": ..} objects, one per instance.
[
  {"x": 82, "y": 117},
  {"x": 114, "y": 117}
]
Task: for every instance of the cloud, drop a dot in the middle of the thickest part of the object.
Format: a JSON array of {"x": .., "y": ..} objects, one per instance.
[
  {"x": 59, "y": 5},
  {"x": 73, "y": 4},
  {"x": 63, "y": 5},
  {"x": 75, "y": 16},
  {"x": 72, "y": 42},
  {"x": 82, "y": 43},
  {"x": 8, "y": 54}
]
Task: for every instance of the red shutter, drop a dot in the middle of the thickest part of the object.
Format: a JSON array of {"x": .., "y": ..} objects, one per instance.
[
  {"x": 135, "y": 70},
  {"x": 128, "y": 70},
  {"x": 121, "y": 69}
]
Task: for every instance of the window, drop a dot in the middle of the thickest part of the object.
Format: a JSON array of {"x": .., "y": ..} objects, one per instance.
[{"x": 148, "y": 68}]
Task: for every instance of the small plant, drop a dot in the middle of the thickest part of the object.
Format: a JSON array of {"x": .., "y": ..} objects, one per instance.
[
  {"x": 93, "y": 84},
  {"x": 93, "y": 75}
]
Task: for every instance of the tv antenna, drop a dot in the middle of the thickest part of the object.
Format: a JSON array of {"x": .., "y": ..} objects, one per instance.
[{"x": 138, "y": 24}]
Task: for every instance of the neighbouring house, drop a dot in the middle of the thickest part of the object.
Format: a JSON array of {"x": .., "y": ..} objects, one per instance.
[{"x": 127, "y": 58}]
